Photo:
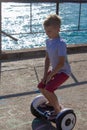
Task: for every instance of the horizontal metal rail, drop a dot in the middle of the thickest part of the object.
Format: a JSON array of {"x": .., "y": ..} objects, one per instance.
[
  {"x": 35, "y": 1},
  {"x": 75, "y": 30}
]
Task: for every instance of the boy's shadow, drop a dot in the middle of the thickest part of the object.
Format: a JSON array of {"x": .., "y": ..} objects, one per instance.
[{"x": 41, "y": 124}]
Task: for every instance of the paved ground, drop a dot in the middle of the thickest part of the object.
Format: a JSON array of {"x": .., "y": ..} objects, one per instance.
[{"x": 18, "y": 88}]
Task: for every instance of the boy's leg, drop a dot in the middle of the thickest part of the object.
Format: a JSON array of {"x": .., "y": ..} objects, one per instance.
[
  {"x": 48, "y": 90},
  {"x": 56, "y": 82},
  {"x": 52, "y": 98}
]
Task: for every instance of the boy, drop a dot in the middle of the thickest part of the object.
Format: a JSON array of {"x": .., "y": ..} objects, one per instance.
[{"x": 56, "y": 55}]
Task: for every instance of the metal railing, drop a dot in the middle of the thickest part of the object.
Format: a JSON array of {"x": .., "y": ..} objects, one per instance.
[
  {"x": 54, "y": 1},
  {"x": 41, "y": 1}
]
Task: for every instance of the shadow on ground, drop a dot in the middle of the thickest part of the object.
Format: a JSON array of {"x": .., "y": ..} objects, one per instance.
[
  {"x": 40, "y": 124},
  {"x": 37, "y": 91}
]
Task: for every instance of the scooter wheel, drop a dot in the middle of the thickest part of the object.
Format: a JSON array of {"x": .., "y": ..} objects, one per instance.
[
  {"x": 35, "y": 103},
  {"x": 66, "y": 120},
  {"x": 34, "y": 112}
]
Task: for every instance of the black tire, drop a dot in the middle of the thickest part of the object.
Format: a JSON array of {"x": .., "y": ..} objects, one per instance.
[
  {"x": 66, "y": 120},
  {"x": 34, "y": 112},
  {"x": 35, "y": 103}
]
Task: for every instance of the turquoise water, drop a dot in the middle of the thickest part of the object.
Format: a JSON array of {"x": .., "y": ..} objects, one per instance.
[{"x": 16, "y": 22}]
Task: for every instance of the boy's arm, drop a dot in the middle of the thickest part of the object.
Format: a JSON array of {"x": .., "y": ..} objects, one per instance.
[
  {"x": 46, "y": 68},
  {"x": 57, "y": 68},
  {"x": 59, "y": 65}
]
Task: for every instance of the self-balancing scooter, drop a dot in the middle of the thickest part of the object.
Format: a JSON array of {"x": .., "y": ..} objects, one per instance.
[{"x": 65, "y": 120}]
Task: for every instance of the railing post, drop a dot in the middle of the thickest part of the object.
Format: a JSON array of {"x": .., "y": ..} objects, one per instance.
[
  {"x": 0, "y": 42},
  {"x": 31, "y": 17},
  {"x": 0, "y": 30},
  {"x": 57, "y": 7},
  {"x": 79, "y": 16}
]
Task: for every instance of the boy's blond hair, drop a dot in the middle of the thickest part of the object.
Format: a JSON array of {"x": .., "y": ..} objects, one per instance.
[{"x": 52, "y": 20}]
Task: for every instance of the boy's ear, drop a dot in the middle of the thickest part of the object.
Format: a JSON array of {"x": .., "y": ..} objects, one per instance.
[{"x": 58, "y": 29}]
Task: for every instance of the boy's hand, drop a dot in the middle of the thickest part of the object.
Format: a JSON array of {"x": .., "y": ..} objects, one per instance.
[
  {"x": 49, "y": 77},
  {"x": 44, "y": 80}
]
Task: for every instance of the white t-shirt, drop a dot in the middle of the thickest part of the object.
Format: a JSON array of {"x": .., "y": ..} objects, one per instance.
[{"x": 55, "y": 48}]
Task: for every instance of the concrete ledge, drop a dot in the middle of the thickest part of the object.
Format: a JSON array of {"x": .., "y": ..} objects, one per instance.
[
  {"x": 77, "y": 48},
  {"x": 38, "y": 52},
  {"x": 23, "y": 54}
]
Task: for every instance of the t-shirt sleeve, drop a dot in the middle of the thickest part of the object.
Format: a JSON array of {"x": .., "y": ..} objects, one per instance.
[{"x": 62, "y": 49}]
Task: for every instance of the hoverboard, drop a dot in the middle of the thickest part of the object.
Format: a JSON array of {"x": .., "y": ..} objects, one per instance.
[{"x": 65, "y": 119}]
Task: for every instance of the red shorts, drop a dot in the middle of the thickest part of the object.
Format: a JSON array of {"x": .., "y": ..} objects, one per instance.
[{"x": 55, "y": 83}]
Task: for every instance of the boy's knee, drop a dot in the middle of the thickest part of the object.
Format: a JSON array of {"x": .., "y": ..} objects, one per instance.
[
  {"x": 50, "y": 90},
  {"x": 41, "y": 85}
]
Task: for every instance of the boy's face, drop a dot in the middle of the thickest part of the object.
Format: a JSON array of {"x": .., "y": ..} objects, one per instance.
[{"x": 52, "y": 31}]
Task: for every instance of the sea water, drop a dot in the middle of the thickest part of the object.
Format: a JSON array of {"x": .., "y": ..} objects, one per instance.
[{"x": 30, "y": 33}]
